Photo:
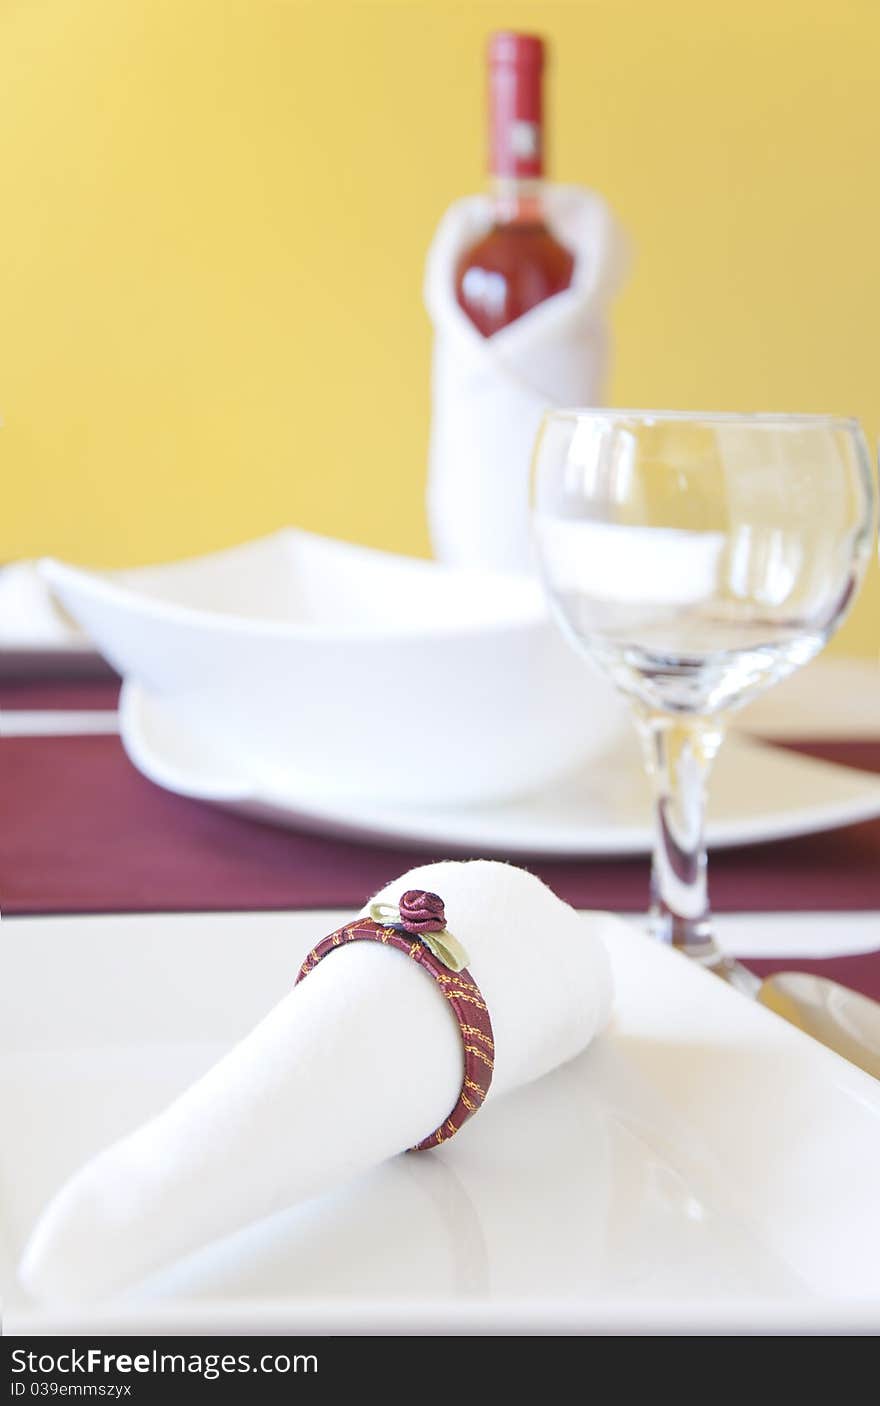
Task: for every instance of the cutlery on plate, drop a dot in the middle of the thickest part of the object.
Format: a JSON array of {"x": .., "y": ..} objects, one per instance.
[{"x": 844, "y": 1020}]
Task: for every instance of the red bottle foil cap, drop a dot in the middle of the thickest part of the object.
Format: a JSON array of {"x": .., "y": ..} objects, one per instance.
[{"x": 516, "y": 149}]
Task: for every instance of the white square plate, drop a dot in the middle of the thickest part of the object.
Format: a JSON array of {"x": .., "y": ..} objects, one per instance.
[{"x": 704, "y": 1167}]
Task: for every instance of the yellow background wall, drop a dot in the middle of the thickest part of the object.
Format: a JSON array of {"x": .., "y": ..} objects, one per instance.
[{"x": 213, "y": 218}]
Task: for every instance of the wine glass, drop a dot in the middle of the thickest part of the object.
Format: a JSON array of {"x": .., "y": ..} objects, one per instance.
[{"x": 698, "y": 559}]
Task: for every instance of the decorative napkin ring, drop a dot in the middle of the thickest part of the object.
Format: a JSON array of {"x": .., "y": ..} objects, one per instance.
[{"x": 418, "y": 928}]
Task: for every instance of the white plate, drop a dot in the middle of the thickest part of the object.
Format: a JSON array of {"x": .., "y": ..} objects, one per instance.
[
  {"x": 758, "y": 793},
  {"x": 704, "y": 1166}
]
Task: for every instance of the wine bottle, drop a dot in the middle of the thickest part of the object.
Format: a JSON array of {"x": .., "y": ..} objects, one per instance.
[{"x": 519, "y": 262}]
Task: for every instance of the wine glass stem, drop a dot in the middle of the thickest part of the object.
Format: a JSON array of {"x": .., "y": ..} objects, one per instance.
[{"x": 679, "y": 752}]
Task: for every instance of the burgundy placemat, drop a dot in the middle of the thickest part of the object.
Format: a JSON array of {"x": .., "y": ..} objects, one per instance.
[
  {"x": 30, "y": 695},
  {"x": 83, "y": 831}
]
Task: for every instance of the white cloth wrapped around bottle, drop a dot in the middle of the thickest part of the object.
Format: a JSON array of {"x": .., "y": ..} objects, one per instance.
[
  {"x": 489, "y": 393},
  {"x": 358, "y": 1062}
]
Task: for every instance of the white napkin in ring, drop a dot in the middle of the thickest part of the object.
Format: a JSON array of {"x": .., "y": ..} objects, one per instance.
[{"x": 357, "y": 1063}]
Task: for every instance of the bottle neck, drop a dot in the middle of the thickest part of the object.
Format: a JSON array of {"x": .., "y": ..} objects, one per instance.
[
  {"x": 517, "y": 202},
  {"x": 516, "y": 136}
]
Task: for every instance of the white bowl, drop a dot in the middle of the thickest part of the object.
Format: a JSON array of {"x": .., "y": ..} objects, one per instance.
[{"x": 339, "y": 670}]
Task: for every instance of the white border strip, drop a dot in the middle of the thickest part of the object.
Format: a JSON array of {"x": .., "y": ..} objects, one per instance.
[{"x": 58, "y": 723}]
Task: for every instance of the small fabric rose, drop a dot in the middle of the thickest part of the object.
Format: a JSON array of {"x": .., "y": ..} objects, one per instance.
[{"x": 422, "y": 912}]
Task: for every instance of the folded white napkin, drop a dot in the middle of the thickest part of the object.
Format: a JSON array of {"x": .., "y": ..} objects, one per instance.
[
  {"x": 29, "y": 617},
  {"x": 357, "y": 1063},
  {"x": 488, "y": 394}
]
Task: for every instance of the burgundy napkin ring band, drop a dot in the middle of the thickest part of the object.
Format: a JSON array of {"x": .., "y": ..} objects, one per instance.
[{"x": 418, "y": 928}]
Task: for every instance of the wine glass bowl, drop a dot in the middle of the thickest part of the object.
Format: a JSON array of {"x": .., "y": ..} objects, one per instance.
[{"x": 698, "y": 559}]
